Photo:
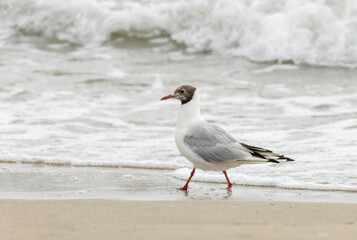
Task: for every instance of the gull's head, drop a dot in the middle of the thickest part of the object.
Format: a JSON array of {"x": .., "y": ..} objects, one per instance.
[{"x": 183, "y": 93}]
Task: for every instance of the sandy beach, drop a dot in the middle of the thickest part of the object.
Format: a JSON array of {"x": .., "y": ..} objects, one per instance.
[
  {"x": 54, "y": 202},
  {"x": 113, "y": 219}
]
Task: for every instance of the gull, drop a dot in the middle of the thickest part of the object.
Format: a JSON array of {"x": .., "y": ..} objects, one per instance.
[{"x": 209, "y": 147}]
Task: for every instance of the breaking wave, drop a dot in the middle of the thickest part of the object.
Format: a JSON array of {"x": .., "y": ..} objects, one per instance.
[{"x": 304, "y": 32}]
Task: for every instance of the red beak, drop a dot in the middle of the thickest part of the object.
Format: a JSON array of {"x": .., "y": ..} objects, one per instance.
[{"x": 167, "y": 97}]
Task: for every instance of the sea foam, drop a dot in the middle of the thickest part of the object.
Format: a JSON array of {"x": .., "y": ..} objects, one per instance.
[{"x": 310, "y": 32}]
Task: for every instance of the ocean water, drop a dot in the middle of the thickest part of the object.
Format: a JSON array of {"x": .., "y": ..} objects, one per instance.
[{"x": 80, "y": 84}]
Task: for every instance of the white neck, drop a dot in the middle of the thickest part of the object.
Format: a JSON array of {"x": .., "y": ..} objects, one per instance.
[{"x": 190, "y": 112}]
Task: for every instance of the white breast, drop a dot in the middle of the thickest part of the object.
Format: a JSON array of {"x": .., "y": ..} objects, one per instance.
[{"x": 190, "y": 115}]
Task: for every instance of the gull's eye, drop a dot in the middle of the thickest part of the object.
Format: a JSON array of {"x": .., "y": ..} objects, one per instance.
[{"x": 182, "y": 91}]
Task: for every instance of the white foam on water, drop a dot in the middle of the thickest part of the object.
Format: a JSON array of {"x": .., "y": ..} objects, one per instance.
[
  {"x": 324, "y": 152},
  {"x": 149, "y": 164},
  {"x": 117, "y": 73},
  {"x": 312, "y": 32},
  {"x": 248, "y": 179}
]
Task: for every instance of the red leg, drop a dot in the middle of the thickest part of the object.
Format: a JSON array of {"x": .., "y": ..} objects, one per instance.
[
  {"x": 184, "y": 188},
  {"x": 229, "y": 182}
]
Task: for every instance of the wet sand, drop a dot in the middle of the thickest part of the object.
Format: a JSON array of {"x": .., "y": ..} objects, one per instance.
[
  {"x": 114, "y": 219},
  {"x": 40, "y": 182}
]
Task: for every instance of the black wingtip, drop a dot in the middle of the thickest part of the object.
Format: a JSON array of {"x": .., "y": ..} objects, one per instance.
[
  {"x": 273, "y": 160},
  {"x": 286, "y": 158}
]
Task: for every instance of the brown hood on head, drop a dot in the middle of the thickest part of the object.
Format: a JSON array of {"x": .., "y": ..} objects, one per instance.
[{"x": 184, "y": 93}]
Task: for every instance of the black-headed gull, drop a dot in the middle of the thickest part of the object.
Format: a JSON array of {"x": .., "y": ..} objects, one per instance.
[{"x": 207, "y": 146}]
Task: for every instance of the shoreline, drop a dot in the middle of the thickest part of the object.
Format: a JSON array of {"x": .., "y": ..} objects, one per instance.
[
  {"x": 23, "y": 181},
  {"x": 105, "y": 219},
  {"x": 59, "y": 165}
]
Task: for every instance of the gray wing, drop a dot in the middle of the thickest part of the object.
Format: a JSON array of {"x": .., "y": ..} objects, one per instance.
[{"x": 213, "y": 144}]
